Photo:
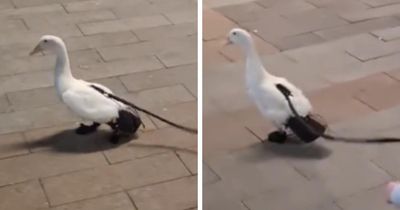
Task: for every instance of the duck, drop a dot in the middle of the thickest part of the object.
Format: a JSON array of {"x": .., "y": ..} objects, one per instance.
[
  {"x": 265, "y": 89},
  {"x": 84, "y": 98}
]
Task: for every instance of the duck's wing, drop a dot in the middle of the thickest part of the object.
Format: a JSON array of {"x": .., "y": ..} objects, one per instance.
[
  {"x": 299, "y": 100},
  {"x": 90, "y": 104}
]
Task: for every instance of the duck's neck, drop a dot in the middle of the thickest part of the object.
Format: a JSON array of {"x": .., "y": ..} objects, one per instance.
[
  {"x": 255, "y": 70},
  {"x": 63, "y": 75}
]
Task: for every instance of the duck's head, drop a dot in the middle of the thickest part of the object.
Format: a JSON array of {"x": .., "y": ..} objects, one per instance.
[
  {"x": 239, "y": 37},
  {"x": 49, "y": 43}
]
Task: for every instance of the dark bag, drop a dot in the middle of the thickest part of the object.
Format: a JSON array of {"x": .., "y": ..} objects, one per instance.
[
  {"x": 307, "y": 128},
  {"x": 128, "y": 122}
]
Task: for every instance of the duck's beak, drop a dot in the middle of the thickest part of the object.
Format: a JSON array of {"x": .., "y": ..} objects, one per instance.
[
  {"x": 36, "y": 50},
  {"x": 228, "y": 42}
]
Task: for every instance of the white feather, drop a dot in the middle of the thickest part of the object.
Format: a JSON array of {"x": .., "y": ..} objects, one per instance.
[{"x": 90, "y": 105}]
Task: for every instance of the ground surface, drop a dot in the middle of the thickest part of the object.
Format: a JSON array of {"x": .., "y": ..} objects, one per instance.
[
  {"x": 144, "y": 50},
  {"x": 346, "y": 55}
]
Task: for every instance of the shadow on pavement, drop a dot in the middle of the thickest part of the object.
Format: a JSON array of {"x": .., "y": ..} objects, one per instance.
[
  {"x": 69, "y": 142},
  {"x": 298, "y": 151},
  {"x": 266, "y": 150}
]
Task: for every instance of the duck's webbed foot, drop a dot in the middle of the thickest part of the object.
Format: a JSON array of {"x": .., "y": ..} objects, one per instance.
[
  {"x": 86, "y": 129},
  {"x": 278, "y": 137}
]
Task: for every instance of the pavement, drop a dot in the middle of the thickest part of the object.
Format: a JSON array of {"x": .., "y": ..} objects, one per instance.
[
  {"x": 145, "y": 51},
  {"x": 345, "y": 55}
]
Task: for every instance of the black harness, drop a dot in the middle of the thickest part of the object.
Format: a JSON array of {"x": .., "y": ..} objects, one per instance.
[
  {"x": 309, "y": 128},
  {"x": 137, "y": 108}
]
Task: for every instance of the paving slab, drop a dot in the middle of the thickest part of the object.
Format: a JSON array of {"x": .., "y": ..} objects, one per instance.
[
  {"x": 167, "y": 195},
  {"x": 117, "y": 201},
  {"x": 24, "y": 195},
  {"x": 116, "y": 178}
]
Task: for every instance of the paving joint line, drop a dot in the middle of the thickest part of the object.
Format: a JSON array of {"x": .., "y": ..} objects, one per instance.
[
  {"x": 157, "y": 127},
  {"x": 380, "y": 56},
  {"x": 183, "y": 162},
  {"x": 24, "y": 23},
  {"x": 299, "y": 172},
  {"x": 167, "y": 149},
  {"x": 391, "y": 76},
  {"x": 119, "y": 45},
  {"x": 26, "y": 142},
  {"x": 187, "y": 89},
  {"x": 219, "y": 178},
  {"x": 377, "y": 165},
  {"x": 160, "y": 61},
  {"x": 167, "y": 18},
  {"x": 87, "y": 198},
  {"x": 254, "y": 134},
  {"x": 245, "y": 205},
  {"x": 139, "y": 158},
  {"x": 337, "y": 205},
  {"x": 118, "y": 78},
  {"x": 100, "y": 55},
  {"x": 135, "y": 35},
  {"x": 16, "y": 156},
  {"x": 355, "y": 57},
  {"x": 69, "y": 172},
  {"x": 13, "y": 4},
  {"x": 259, "y": 4},
  {"x": 365, "y": 103},
  {"x": 226, "y": 57},
  {"x": 160, "y": 182},
  {"x": 131, "y": 200},
  {"x": 64, "y": 7},
  {"x": 105, "y": 157},
  {"x": 44, "y": 192}
]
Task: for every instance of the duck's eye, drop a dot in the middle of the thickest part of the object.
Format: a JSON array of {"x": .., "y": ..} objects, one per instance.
[
  {"x": 234, "y": 33},
  {"x": 45, "y": 40}
]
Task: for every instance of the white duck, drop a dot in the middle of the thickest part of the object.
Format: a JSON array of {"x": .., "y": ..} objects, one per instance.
[
  {"x": 262, "y": 88},
  {"x": 83, "y": 99}
]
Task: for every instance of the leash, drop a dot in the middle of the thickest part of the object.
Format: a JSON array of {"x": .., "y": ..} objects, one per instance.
[
  {"x": 109, "y": 95},
  {"x": 378, "y": 140}
]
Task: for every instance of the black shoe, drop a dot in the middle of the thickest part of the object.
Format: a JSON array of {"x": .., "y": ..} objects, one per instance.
[
  {"x": 86, "y": 129},
  {"x": 278, "y": 137}
]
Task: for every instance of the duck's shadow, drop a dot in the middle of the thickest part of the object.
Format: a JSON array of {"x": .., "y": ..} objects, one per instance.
[
  {"x": 68, "y": 141},
  {"x": 292, "y": 150}
]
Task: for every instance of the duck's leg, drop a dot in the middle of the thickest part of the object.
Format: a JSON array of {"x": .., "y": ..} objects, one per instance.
[
  {"x": 278, "y": 136},
  {"x": 86, "y": 129},
  {"x": 116, "y": 134}
]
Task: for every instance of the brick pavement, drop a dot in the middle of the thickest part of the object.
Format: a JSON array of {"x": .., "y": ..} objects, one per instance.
[
  {"x": 345, "y": 55},
  {"x": 144, "y": 50}
]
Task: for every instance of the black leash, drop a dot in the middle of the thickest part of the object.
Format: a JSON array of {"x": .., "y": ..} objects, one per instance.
[
  {"x": 287, "y": 95},
  {"x": 184, "y": 128}
]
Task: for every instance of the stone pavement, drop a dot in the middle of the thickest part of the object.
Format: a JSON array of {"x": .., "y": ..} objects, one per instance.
[
  {"x": 346, "y": 55},
  {"x": 144, "y": 50}
]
